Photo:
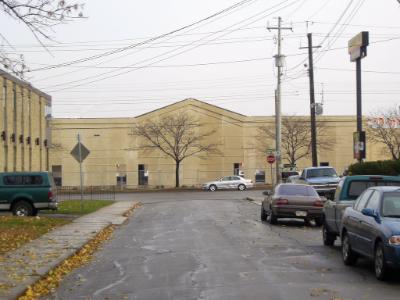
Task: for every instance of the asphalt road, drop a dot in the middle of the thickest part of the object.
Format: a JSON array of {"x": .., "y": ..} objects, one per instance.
[{"x": 203, "y": 245}]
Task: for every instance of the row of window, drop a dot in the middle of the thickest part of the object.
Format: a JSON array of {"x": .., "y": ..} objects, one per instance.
[{"x": 23, "y": 180}]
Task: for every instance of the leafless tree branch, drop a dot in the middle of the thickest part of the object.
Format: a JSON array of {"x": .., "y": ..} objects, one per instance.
[
  {"x": 40, "y": 16},
  {"x": 296, "y": 138},
  {"x": 384, "y": 128},
  {"x": 177, "y": 136}
]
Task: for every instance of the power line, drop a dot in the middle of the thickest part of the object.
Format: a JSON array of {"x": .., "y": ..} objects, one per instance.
[
  {"x": 176, "y": 54},
  {"x": 238, "y": 4}
]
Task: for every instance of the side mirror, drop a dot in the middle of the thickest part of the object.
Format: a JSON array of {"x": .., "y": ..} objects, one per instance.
[
  {"x": 369, "y": 212},
  {"x": 267, "y": 193}
]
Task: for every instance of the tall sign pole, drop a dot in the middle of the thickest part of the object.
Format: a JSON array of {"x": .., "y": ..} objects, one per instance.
[
  {"x": 358, "y": 50},
  {"x": 80, "y": 152},
  {"x": 80, "y": 167},
  {"x": 278, "y": 122}
]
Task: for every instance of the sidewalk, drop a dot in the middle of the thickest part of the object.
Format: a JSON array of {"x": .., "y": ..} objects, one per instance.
[{"x": 29, "y": 263}]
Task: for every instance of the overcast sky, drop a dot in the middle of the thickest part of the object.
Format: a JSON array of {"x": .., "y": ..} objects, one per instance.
[{"x": 226, "y": 61}]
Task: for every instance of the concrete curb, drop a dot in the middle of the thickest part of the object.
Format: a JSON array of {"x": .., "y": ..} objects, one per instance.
[{"x": 28, "y": 264}]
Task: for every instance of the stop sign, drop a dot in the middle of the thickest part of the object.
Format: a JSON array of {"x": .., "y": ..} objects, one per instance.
[{"x": 271, "y": 158}]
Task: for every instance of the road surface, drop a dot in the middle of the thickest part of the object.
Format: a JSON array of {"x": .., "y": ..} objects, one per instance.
[{"x": 203, "y": 245}]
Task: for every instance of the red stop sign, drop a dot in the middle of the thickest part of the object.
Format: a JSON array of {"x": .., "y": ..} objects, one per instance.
[{"x": 271, "y": 159}]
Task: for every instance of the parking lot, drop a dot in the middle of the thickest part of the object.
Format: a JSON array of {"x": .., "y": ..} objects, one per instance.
[{"x": 212, "y": 245}]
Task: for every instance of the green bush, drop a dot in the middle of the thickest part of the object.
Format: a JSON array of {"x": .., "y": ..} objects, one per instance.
[{"x": 380, "y": 167}]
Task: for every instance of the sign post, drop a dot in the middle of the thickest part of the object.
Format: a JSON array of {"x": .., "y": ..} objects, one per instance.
[
  {"x": 358, "y": 50},
  {"x": 80, "y": 152},
  {"x": 271, "y": 160}
]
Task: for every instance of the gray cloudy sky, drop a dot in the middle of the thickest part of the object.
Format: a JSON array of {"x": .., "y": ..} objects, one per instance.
[{"x": 226, "y": 61}]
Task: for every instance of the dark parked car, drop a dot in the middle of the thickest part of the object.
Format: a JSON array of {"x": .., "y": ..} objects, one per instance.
[
  {"x": 289, "y": 200},
  {"x": 347, "y": 192},
  {"x": 25, "y": 193},
  {"x": 371, "y": 228}
]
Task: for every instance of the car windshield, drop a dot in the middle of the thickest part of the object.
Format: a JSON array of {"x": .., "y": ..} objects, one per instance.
[
  {"x": 326, "y": 172},
  {"x": 391, "y": 205},
  {"x": 296, "y": 190}
]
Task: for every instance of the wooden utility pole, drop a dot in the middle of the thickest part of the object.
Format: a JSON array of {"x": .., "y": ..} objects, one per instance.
[{"x": 314, "y": 153}]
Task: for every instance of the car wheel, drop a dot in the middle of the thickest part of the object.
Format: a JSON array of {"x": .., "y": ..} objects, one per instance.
[
  {"x": 22, "y": 209},
  {"x": 272, "y": 218},
  {"x": 319, "y": 221},
  {"x": 241, "y": 187},
  {"x": 263, "y": 214},
  {"x": 213, "y": 188},
  {"x": 348, "y": 255},
  {"x": 328, "y": 238},
  {"x": 381, "y": 268}
]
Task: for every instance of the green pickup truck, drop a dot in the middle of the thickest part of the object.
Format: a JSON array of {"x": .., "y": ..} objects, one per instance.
[
  {"x": 347, "y": 191},
  {"x": 25, "y": 193}
]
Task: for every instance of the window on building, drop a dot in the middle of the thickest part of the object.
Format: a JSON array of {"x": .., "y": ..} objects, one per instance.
[
  {"x": 143, "y": 175},
  {"x": 324, "y": 164},
  {"x": 56, "y": 171},
  {"x": 236, "y": 168}
]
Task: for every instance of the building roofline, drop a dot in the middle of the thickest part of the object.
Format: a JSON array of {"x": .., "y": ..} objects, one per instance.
[
  {"x": 26, "y": 85},
  {"x": 188, "y": 100}
]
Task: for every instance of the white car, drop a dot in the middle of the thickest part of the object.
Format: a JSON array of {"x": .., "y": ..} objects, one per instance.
[{"x": 229, "y": 182}]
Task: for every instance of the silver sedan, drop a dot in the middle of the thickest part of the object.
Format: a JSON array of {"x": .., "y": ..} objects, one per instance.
[{"x": 229, "y": 182}]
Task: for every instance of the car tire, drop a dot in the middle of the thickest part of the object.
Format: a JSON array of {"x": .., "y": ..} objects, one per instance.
[
  {"x": 327, "y": 237},
  {"x": 349, "y": 256},
  {"x": 263, "y": 214},
  {"x": 380, "y": 266},
  {"x": 319, "y": 221},
  {"x": 22, "y": 208},
  {"x": 273, "y": 219},
  {"x": 241, "y": 187},
  {"x": 212, "y": 188}
]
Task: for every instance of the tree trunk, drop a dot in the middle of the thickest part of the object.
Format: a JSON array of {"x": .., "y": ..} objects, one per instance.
[{"x": 177, "y": 174}]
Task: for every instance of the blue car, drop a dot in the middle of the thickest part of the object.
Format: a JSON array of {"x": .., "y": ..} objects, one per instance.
[{"x": 371, "y": 228}]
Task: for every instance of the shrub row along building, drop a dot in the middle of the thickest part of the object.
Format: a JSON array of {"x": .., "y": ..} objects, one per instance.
[{"x": 32, "y": 140}]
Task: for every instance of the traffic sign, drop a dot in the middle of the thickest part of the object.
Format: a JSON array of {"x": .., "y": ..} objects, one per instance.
[
  {"x": 271, "y": 159},
  {"x": 84, "y": 152}
]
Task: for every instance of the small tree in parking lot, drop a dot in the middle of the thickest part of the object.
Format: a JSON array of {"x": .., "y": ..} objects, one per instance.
[{"x": 177, "y": 136}]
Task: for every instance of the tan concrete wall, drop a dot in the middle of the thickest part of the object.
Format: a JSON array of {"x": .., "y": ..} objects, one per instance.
[
  {"x": 22, "y": 115},
  {"x": 114, "y": 149}
]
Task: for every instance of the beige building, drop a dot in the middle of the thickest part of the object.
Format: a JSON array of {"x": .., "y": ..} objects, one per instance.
[
  {"x": 116, "y": 159},
  {"x": 24, "y": 114}
]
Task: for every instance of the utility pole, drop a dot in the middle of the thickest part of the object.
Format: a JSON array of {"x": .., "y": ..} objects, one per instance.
[
  {"x": 278, "y": 122},
  {"x": 310, "y": 47}
]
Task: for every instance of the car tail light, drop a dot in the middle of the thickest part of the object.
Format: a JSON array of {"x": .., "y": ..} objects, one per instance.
[
  {"x": 318, "y": 203},
  {"x": 282, "y": 201},
  {"x": 50, "y": 195}
]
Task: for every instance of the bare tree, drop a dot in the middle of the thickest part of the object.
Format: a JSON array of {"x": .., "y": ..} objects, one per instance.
[
  {"x": 296, "y": 138},
  {"x": 40, "y": 16},
  {"x": 177, "y": 136},
  {"x": 384, "y": 128}
]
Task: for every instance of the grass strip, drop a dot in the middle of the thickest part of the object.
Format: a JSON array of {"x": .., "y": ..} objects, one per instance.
[
  {"x": 73, "y": 207},
  {"x": 16, "y": 231}
]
